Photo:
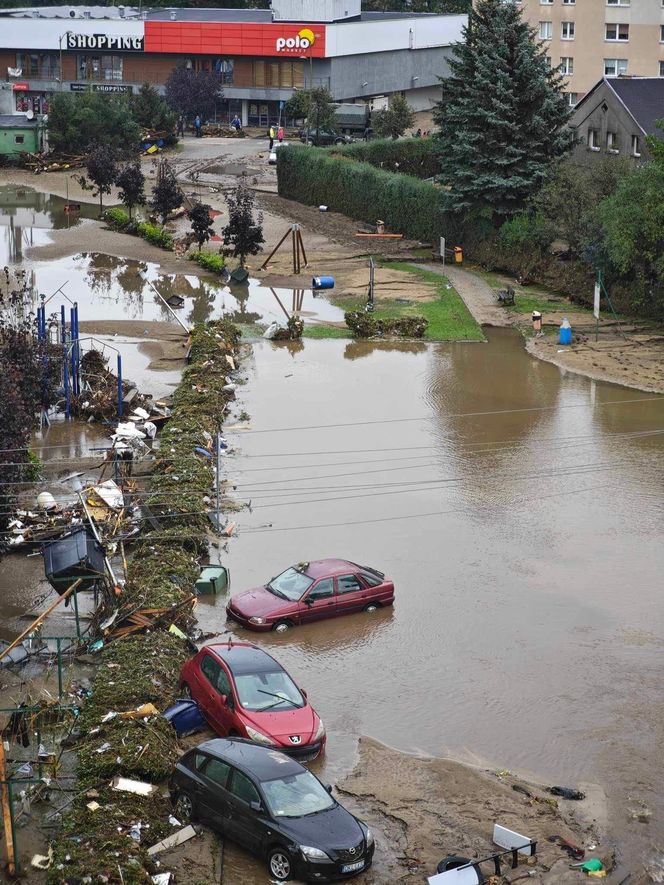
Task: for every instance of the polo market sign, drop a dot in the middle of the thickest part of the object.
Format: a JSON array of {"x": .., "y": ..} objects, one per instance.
[
  {"x": 104, "y": 42},
  {"x": 304, "y": 39}
]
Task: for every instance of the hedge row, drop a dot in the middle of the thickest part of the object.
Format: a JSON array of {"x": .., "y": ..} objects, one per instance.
[
  {"x": 118, "y": 219},
  {"x": 406, "y": 205},
  {"x": 412, "y": 156}
]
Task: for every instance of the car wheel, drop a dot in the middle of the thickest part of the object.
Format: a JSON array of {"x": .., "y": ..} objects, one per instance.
[
  {"x": 281, "y": 627},
  {"x": 279, "y": 865},
  {"x": 185, "y": 691},
  {"x": 340, "y": 141},
  {"x": 372, "y": 607},
  {"x": 184, "y": 808},
  {"x": 310, "y": 142}
]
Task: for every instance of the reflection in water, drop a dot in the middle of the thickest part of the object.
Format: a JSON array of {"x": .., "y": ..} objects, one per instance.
[{"x": 355, "y": 350}]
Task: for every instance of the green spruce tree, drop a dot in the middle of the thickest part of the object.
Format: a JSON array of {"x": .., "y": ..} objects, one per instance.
[{"x": 503, "y": 116}]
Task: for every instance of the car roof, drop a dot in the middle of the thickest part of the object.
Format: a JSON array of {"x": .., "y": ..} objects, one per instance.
[
  {"x": 243, "y": 657},
  {"x": 321, "y": 568},
  {"x": 263, "y": 763}
]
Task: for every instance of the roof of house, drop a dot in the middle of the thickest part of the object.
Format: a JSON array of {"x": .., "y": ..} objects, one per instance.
[
  {"x": 262, "y": 16},
  {"x": 643, "y": 97},
  {"x": 16, "y": 121}
]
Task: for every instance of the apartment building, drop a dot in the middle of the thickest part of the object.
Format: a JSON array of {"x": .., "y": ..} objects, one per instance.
[{"x": 592, "y": 39}]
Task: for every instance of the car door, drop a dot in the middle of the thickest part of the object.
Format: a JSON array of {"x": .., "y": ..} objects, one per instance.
[
  {"x": 320, "y": 602},
  {"x": 214, "y": 685},
  {"x": 351, "y": 594},
  {"x": 243, "y": 823},
  {"x": 212, "y": 798}
]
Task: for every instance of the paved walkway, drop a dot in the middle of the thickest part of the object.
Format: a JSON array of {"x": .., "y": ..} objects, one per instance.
[{"x": 479, "y": 297}]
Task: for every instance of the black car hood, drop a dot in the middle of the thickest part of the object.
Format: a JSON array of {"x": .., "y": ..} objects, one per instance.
[{"x": 334, "y": 828}]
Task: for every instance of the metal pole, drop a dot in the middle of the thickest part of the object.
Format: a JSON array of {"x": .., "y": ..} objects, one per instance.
[
  {"x": 78, "y": 622},
  {"x": 120, "y": 395},
  {"x": 107, "y": 563},
  {"x": 58, "y": 647},
  {"x": 72, "y": 331},
  {"x": 66, "y": 386},
  {"x": 63, "y": 324},
  {"x": 161, "y": 297},
  {"x": 218, "y": 483},
  {"x": 5, "y": 790}
]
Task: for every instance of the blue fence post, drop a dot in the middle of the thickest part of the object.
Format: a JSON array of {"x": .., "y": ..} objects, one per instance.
[
  {"x": 63, "y": 325},
  {"x": 66, "y": 386},
  {"x": 119, "y": 386}
]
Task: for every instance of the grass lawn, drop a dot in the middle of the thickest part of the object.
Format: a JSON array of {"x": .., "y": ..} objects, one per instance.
[{"x": 449, "y": 318}]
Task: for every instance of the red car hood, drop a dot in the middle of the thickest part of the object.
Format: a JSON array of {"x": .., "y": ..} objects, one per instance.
[
  {"x": 280, "y": 725},
  {"x": 258, "y": 603}
]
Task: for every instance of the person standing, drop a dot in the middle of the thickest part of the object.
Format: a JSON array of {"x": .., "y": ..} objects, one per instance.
[
  {"x": 236, "y": 123},
  {"x": 180, "y": 126},
  {"x": 198, "y": 125},
  {"x": 280, "y": 134},
  {"x": 271, "y": 135}
]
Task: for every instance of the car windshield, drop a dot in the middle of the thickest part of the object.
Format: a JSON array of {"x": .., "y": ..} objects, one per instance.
[
  {"x": 290, "y": 584},
  {"x": 296, "y": 795},
  {"x": 268, "y": 691}
]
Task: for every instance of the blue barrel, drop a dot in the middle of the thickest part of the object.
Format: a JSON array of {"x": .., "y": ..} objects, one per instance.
[
  {"x": 565, "y": 333},
  {"x": 322, "y": 283}
]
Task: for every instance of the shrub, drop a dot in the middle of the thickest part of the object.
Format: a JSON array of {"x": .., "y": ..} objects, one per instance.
[
  {"x": 314, "y": 176},
  {"x": 155, "y": 235},
  {"x": 413, "y": 156},
  {"x": 366, "y": 325},
  {"x": 117, "y": 218},
  {"x": 211, "y": 262}
]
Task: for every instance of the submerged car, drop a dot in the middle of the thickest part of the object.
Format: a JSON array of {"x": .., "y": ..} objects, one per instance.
[
  {"x": 311, "y": 591},
  {"x": 274, "y": 807},
  {"x": 323, "y": 137},
  {"x": 243, "y": 691}
]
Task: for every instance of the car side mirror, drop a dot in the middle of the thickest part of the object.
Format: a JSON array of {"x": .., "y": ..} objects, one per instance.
[
  {"x": 309, "y": 601},
  {"x": 255, "y": 806},
  {"x": 328, "y": 787}
]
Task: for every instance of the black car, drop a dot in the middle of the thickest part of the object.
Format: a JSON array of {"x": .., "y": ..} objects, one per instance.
[
  {"x": 274, "y": 807},
  {"x": 322, "y": 137}
]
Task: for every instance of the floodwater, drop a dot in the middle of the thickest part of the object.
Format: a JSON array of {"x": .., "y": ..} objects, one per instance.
[{"x": 518, "y": 510}]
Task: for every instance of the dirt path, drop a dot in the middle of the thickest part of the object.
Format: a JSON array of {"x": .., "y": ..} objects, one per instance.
[
  {"x": 427, "y": 808},
  {"x": 480, "y": 299}
]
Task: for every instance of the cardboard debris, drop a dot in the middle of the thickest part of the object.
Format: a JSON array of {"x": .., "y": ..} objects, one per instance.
[
  {"x": 173, "y": 841},
  {"x": 93, "y": 806},
  {"x": 110, "y": 494},
  {"x": 162, "y": 878},
  {"x": 141, "y": 712},
  {"x": 42, "y": 861},
  {"x": 126, "y": 785}
]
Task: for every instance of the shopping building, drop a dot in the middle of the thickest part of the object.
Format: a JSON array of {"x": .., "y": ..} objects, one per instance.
[
  {"x": 262, "y": 56},
  {"x": 591, "y": 39}
]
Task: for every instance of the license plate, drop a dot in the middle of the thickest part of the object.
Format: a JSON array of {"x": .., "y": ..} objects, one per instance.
[{"x": 352, "y": 867}]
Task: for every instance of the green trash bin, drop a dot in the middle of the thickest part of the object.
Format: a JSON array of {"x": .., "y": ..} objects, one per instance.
[{"x": 212, "y": 579}]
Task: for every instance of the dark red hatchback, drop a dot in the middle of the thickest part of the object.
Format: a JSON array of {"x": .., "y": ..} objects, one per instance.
[{"x": 311, "y": 591}]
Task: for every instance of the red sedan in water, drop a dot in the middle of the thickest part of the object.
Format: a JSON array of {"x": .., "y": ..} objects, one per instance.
[
  {"x": 311, "y": 591},
  {"x": 242, "y": 691}
]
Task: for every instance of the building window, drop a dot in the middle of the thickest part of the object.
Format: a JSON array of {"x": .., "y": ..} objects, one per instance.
[
  {"x": 19, "y": 139},
  {"x": 547, "y": 61},
  {"x": 661, "y": 30},
  {"x": 99, "y": 67},
  {"x": 612, "y": 142},
  {"x": 661, "y": 69},
  {"x": 572, "y": 98},
  {"x": 615, "y": 67},
  {"x": 593, "y": 139},
  {"x": 619, "y": 2},
  {"x": 636, "y": 146},
  {"x": 545, "y": 30},
  {"x": 211, "y": 65},
  {"x": 566, "y": 65},
  {"x": 616, "y": 32},
  {"x": 38, "y": 64},
  {"x": 569, "y": 2},
  {"x": 278, "y": 74},
  {"x": 567, "y": 31},
  {"x": 546, "y": 2}
]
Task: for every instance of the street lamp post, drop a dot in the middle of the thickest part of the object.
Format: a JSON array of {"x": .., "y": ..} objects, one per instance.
[{"x": 60, "y": 39}]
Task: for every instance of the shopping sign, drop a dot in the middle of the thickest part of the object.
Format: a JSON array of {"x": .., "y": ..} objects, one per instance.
[{"x": 304, "y": 39}]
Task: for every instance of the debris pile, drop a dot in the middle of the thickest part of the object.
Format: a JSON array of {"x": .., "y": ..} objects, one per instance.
[
  {"x": 107, "y": 833},
  {"x": 366, "y": 325}
]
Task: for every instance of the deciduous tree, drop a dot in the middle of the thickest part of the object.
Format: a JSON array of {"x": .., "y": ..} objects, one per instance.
[
  {"x": 503, "y": 116},
  {"x": 166, "y": 195},
  {"x": 190, "y": 92},
  {"x": 201, "y": 224},
  {"x": 76, "y": 121},
  {"x": 102, "y": 172},
  {"x": 393, "y": 121},
  {"x": 244, "y": 232},
  {"x": 131, "y": 182}
]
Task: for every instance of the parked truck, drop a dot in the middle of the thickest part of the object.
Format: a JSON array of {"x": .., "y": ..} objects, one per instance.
[{"x": 352, "y": 119}]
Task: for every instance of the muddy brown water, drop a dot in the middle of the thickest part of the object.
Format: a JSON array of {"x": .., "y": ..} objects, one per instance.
[{"x": 518, "y": 510}]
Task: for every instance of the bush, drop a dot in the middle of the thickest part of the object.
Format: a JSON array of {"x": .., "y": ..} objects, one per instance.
[
  {"x": 414, "y": 156},
  {"x": 314, "y": 176},
  {"x": 211, "y": 262},
  {"x": 117, "y": 218},
  {"x": 155, "y": 235},
  {"x": 366, "y": 325}
]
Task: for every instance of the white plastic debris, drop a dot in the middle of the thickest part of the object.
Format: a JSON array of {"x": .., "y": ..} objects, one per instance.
[
  {"x": 141, "y": 413},
  {"x": 110, "y": 494},
  {"x": 126, "y": 785},
  {"x": 271, "y": 331},
  {"x": 150, "y": 429},
  {"x": 46, "y": 501},
  {"x": 173, "y": 841}
]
